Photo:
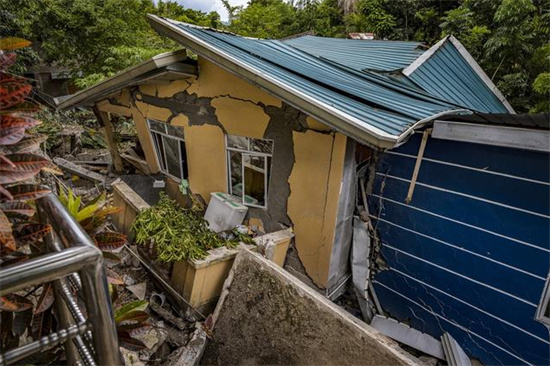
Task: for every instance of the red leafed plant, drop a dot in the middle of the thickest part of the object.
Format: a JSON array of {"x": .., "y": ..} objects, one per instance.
[{"x": 20, "y": 234}]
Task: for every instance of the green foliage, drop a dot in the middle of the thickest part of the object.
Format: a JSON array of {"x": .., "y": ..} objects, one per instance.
[
  {"x": 177, "y": 233},
  {"x": 509, "y": 38},
  {"x": 95, "y": 37}
]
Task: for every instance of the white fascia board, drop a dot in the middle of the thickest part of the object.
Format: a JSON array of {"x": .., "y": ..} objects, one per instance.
[
  {"x": 125, "y": 76},
  {"x": 292, "y": 96},
  {"x": 479, "y": 71},
  {"x": 512, "y": 137},
  {"x": 424, "y": 57}
]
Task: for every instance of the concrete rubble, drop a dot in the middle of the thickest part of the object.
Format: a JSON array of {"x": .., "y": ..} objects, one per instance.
[{"x": 266, "y": 316}]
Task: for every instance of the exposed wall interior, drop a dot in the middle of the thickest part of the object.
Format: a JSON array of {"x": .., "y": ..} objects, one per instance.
[{"x": 307, "y": 163}]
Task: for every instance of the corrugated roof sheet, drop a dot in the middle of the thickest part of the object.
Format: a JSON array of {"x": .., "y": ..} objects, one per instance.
[
  {"x": 447, "y": 74},
  {"x": 361, "y": 54},
  {"x": 371, "y": 99}
]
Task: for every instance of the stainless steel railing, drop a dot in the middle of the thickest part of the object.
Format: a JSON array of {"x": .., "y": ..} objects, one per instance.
[{"x": 73, "y": 260}]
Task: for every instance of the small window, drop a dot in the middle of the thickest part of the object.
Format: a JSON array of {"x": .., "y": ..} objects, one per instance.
[
  {"x": 248, "y": 166},
  {"x": 543, "y": 311},
  {"x": 170, "y": 148}
]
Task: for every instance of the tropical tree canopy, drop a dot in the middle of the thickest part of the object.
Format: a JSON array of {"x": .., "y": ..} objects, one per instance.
[{"x": 509, "y": 38}]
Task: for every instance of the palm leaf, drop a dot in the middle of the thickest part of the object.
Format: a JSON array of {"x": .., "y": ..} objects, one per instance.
[
  {"x": 132, "y": 306},
  {"x": 12, "y": 94},
  {"x": 31, "y": 233},
  {"x": 25, "y": 192},
  {"x": 23, "y": 107},
  {"x": 7, "y": 59},
  {"x": 13, "y": 43},
  {"x": 46, "y": 299},
  {"x": 14, "y": 303},
  {"x": 129, "y": 342},
  {"x": 138, "y": 316},
  {"x": 15, "y": 120},
  {"x": 10, "y": 136},
  {"x": 109, "y": 241},
  {"x": 86, "y": 212},
  {"x": 7, "y": 241},
  {"x": 29, "y": 144},
  {"x": 17, "y": 208},
  {"x": 24, "y": 162}
]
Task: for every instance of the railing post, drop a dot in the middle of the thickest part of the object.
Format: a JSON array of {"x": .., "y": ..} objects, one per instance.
[{"x": 96, "y": 295}]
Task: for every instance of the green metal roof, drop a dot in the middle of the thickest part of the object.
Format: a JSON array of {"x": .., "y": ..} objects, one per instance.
[
  {"x": 375, "y": 95},
  {"x": 449, "y": 72},
  {"x": 360, "y": 54}
]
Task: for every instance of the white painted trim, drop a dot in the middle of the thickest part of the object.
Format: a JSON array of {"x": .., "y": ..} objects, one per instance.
[
  {"x": 375, "y": 132},
  {"x": 479, "y": 71},
  {"x": 543, "y": 304},
  {"x": 463, "y": 223},
  {"x": 486, "y": 171},
  {"x": 453, "y": 323},
  {"x": 460, "y": 275},
  {"x": 462, "y": 249},
  {"x": 513, "y": 137},
  {"x": 469, "y": 305},
  {"x": 413, "y": 128},
  {"x": 125, "y": 76},
  {"x": 424, "y": 57},
  {"x": 466, "y": 195}
]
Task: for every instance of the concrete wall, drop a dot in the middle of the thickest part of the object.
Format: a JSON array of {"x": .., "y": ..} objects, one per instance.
[
  {"x": 267, "y": 317},
  {"x": 307, "y": 163}
]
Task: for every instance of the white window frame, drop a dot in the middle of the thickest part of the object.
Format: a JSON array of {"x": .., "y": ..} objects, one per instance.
[
  {"x": 544, "y": 304},
  {"x": 165, "y": 171},
  {"x": 244, "y": 153}
]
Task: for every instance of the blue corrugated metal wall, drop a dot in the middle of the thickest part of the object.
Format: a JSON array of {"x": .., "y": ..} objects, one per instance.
[{"x": 470, "y": 254}]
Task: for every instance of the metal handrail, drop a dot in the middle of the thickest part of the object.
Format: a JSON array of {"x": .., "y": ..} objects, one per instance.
[{"x": 77, "y": 254}]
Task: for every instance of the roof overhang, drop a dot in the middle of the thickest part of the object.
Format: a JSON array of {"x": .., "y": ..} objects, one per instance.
[
  {"x": 469, "y": 59},
  {"x": 163, "y": 67},
  {"x": 323, "y": 112}
]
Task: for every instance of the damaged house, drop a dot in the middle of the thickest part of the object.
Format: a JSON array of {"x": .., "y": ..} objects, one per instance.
[{"x": 399, "y": 168}]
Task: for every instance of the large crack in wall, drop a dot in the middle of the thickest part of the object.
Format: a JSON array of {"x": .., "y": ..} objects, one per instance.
[{"x": 280, "y": 123}]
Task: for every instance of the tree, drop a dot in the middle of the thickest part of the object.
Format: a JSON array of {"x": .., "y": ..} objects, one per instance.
[{"x": 96, "y": 38}]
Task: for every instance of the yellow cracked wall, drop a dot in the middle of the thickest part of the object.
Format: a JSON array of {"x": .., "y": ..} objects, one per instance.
[
  {"x": 316, "y": 175},
  {"x": 313, "y": 203}
]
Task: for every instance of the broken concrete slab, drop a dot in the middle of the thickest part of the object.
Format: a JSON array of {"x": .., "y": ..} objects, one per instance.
[
  {"x": 191, "y": 354},
  {"x": 267, "y": 316},
  {"x": 80, "y": 171}
]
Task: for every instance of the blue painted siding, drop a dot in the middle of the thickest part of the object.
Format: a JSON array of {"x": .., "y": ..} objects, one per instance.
[{"x": 470, "y": 254}]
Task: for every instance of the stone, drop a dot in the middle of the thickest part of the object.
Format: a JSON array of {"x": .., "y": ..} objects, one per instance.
[{"x": 138, "y": 290}]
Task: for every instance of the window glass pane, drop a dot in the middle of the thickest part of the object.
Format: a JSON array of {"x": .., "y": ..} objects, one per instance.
[
  {"x": 183, "y": 160},
  {"x": 235, "y": 174},
  {"x": 254, "y": 179},
  {"x": 237, "y": 142},
  {"x": 175, "y": 131},
  {"x": 157, "y": 139},
  {"x": 173, "y": 159},
  {"x": 156, "y": 126},
  {"x": 265, "y": 146}
]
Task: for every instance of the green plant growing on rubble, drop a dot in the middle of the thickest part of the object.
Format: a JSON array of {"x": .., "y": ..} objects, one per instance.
[{"x": 178, "y": 234}]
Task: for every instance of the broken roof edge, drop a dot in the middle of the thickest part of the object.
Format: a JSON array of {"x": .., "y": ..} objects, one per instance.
[
  {"x": 124, "y": 77},
  {"x": 468, "y": 58},
  {"x": 404, "y": 137},
  {"x": 340, "y": 121}
]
